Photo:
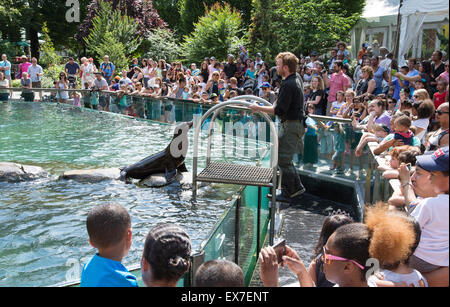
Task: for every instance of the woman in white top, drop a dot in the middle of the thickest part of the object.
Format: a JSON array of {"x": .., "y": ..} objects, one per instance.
[{"x": 62, "y": 84}]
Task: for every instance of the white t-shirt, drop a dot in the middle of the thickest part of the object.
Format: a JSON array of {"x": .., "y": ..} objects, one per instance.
[
  {"x": 410, "y": 279},
  {"x": 432, "y": 215},
  {"x": 33, "y": 71},
  {"x": 421, "y": 123},
  {"x": 335, "y": 106}
]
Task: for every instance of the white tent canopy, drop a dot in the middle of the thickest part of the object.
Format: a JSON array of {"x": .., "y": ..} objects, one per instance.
[{"x": 413, "y": 14}]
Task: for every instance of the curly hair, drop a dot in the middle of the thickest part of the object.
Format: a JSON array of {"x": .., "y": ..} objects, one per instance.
[{"x": 392, "y": 236}]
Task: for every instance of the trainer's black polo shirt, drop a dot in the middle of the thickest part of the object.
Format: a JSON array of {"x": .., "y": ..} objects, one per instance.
[{"x": 290, "y": 99}]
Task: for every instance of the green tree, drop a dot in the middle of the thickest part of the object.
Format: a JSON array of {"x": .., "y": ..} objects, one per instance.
[
  {"x": 300, "y": 26},
  {"x": 216, "y": 33},
  {"x": 114, "y": 49},
  {"x": 109, "y": 25},
  {"x": 48, "y": 53},
  {"x": 192, "y": 10},
  {"x": 161, "y": 44},
  {"x": 169, "y": 11}
]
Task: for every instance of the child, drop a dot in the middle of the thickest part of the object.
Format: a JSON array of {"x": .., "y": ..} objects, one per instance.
[
  {"x": 336, "y": 106},
  {"x": 165, "y": 258},
  {"x": 401, "y": 154},
  {"x": 380, "y": 132},
  {"x": 325, "y": 139},
  {"x": 339, "y": 148},
  {"x": 329, "y": 226},
  {"x": 394, "y": 240},
  {"x": 402, "y": 130},
  {"x": 219, "y": 273},
  {"x": 310, "y": 153},
  {"x": 76, "y": 99},
  {"x": 109, "y": 229},
  {"x": 345, "y": 256},
  {"x": 441, "y": 94}
]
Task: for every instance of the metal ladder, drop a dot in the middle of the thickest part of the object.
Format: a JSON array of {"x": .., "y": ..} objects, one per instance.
[{"x": 235, "y": 173}]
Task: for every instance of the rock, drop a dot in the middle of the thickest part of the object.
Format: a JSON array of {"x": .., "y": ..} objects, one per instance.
[
  {"x": 92, "y": 175},
  {"x": 14, "y": 172}
]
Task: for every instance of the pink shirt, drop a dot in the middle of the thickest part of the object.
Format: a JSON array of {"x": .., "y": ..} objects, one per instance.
[
  {"x": 444, "y": 76},
  {"x": 338, "y": 82},
  {"x": 25, "y": 66}
]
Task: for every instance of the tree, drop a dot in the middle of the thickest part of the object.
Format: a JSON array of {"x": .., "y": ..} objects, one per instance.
[
  {"x": 192, "y": 10},
  {"x": 169, "y": 11},
  {"x": 142, "y": 12},
  {"x": 300, "y": 26},
  {"x": 112, "y": 34},
  {"x": 161, "y": 44},
  {"x": 216, "y": 34}
]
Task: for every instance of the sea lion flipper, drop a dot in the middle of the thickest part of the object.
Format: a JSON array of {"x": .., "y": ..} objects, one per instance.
[{"x": 182, "y": 168}]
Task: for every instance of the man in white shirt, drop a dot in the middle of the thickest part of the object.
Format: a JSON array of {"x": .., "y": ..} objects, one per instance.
[
  {"x": 5, "y": 67},
  {"x": 433, "y": 216},
  {"x": 35, "y": 72}
]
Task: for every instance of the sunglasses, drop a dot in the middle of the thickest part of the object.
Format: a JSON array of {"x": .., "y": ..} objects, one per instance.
[
  {"x": 440, "y": 112},
  {"x": 327, "y": 259}
]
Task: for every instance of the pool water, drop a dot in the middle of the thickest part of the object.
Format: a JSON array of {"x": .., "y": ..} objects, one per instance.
[{"x": 43, "y": 237}]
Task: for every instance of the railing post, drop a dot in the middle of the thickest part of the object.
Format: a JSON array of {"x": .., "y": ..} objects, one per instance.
[
  {"x": 196, "y": 261},
  {"x": 237, "y": 230}
]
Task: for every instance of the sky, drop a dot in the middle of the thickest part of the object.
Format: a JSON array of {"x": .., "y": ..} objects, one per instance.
[{"x": 376, "y": 8}]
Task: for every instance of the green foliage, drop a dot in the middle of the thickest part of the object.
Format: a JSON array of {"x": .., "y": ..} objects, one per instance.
[
  {"x": 114, "y": 49},
  {"x": 169, "y": 11},
  {"x": 216, "y": 34},
  {"x": 7, "y": 48},
  {"x": 300, "y": 26},
  {"x": 118, "y": 30},
  {"x": 192, "y": 10},
  {"x": 444, "y": 41},
  {"x": 51, "y": 74},
  {"x": 48, "y": 53},
  {"x": 161, "y": 44}
]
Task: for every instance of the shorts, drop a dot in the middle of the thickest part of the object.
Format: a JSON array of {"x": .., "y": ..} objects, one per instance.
[
  {"x": 421, "y": 265},
  {"x": 326, "y": 144},
  {"x": 337, "y": 157}
]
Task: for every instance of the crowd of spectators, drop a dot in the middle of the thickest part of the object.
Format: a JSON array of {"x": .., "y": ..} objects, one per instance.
[{"x": 404, "y": 110}]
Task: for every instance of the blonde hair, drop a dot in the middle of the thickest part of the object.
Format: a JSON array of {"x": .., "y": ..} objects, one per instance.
[
  {"x": 368, "y": 70},
  {"x": 392, "y": 235},
  {"x": 321, "y": 85},
  {"x": 422, "y": 94}
]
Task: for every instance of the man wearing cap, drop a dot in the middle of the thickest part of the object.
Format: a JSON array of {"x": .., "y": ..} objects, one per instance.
[
  {"x": 72, "y": 69},
  {"x": 289, "y": 109},
  {"x": 107, "y": 69},
  {"x": 432, "y": 255}
]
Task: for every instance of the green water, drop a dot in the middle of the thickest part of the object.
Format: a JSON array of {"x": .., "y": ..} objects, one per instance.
[{"x": 42, "y": 223}]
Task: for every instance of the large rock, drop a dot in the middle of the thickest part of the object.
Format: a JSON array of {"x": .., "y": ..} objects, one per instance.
[
  {"x": 14, "y": 172},
  {"x": 92, "y": 175}
]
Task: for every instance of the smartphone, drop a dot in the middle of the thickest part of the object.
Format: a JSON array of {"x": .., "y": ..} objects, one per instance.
[
  {"x": 408, "y": 166},
  {"x": 280, "y": 250}
]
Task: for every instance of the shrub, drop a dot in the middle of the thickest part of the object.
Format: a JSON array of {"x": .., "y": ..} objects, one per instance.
[
  {"x": 216, "y": 33},
  {"x": 161, "y": 44}
]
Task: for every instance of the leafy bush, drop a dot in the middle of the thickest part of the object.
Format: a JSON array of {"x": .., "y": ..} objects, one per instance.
[
  {"x": 216, "y": 34},
  {"x": 51, "y": 74},
  {"x": 48, "y": 54},
  {"x": 112, "y": 34},
  {"x": 161, "y": 44}
]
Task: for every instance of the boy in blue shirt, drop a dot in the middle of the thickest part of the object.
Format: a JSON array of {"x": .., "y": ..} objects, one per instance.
[{"x": 109, "y": 229}]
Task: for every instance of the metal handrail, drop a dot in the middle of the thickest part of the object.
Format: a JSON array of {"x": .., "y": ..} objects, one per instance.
[{"x": 274, "y": 147}]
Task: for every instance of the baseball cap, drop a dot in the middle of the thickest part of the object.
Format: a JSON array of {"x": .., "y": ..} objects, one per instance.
[
  {"x": 266, "y": 84},
  {"x": 435, "y": 162},
  {"x": 314, "y": 53},
  {"x": 213, "y": 58},
  {"x": 259, "y": 54}
]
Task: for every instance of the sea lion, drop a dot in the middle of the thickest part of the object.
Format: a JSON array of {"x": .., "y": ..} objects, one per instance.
[{"x": 168, "y": 161}]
